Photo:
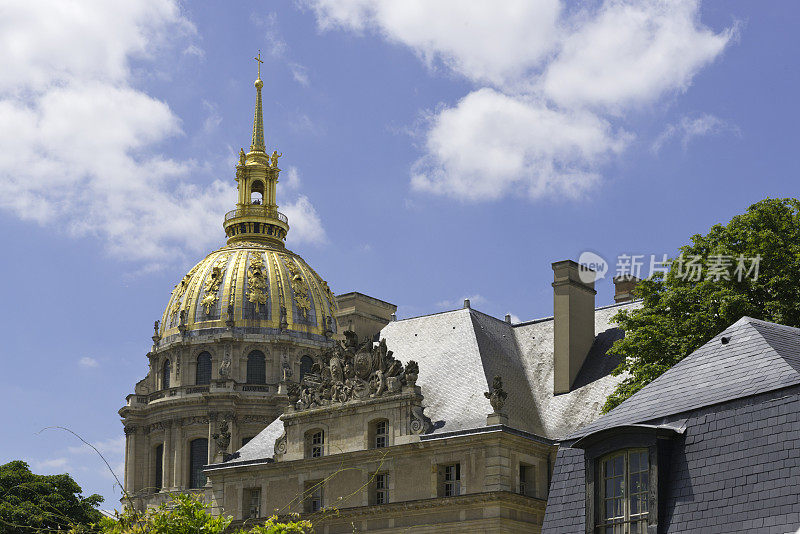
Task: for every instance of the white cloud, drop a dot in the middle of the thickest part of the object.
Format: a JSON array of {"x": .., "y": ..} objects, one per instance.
[
  {"x": 213, "y": 118},
  {"x": 631, "y": 54},
  {"x": 86, "y": 361},
  {"x": 194, "y": 50},
  {"x": 689, "y": 128},
  {"x": 554, "y": 81},
  {"x": 491, "y": 144},
  {"x": 291, "y": 179},
  {"x": 488, "y": 41},
  {"x": 304, "y": 222},
  {"x": 300, "y": 74},
  {"x": 277, "y": 47},
  {"x": 53, "y": 465},
  {"x": 79, "y": 141},
  {"x": 112, "y": 446}
]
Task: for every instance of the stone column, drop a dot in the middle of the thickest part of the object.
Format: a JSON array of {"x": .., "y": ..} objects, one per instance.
[
  {"x": 166, "y": 466},
  {"x": 130, "y": 458},
  {"x": 179, "y": 460}
]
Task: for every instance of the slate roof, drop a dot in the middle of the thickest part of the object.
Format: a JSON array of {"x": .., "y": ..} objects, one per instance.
[
  {"x": 758, "y": 357},
  {"x": 459, "y": 352},
  {"x": 736, "y": 471}
]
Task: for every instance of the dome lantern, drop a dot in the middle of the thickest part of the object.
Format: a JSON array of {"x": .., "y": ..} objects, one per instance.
[{"x": 256, "y": 217}]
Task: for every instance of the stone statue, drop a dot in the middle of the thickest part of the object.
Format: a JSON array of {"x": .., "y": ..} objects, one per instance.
[
  {"x": 275, "y": 157},
  {"x": 223, "y": 437},
  {"x": 497, "y": 397},
  {"x": 225, "y": 367}
]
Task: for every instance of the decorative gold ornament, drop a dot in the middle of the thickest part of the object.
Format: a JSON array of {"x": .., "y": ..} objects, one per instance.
[
  {"x": 179, "y": 291},
  {"x": 212, "y": 285},
  {"x": 257, "y": 281},
  {"x": 299, "y": 287}
]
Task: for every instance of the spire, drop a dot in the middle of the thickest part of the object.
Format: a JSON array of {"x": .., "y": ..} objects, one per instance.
[{"x": 258, "y": 118}]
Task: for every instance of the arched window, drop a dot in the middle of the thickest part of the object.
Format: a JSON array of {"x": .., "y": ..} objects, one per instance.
[
  {"x": 306, "y": 363},
  {"x": 257, "y": 192},
  {"x": 203, "y": 374},
  {"x": 256, "y": 368},
  {"x": 198, "y": 457},
  {"x": 165, "y": 370},
  {"x": 159, "y": 467}
]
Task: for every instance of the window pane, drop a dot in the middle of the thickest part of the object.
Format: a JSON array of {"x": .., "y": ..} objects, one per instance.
[
  {"x": 165, "y": 375},
  {"x": 203, "y": 374},
  {"x": 198, "y": 457},
  {"x": 256, "y": 368}
]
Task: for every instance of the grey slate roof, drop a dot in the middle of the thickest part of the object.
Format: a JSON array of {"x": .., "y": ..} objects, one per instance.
[
  {"x": 759, "y": 357},
  {"x": 737, "y": 471},
  {"x": 459, "y": 352}
]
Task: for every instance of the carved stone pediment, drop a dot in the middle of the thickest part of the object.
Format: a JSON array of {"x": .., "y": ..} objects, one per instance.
[{"x": 351, "y": 371}]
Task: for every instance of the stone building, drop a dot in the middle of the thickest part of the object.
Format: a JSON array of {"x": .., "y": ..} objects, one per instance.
[
  {"x": 417, "y": 431},
  {"x": 710, "y": 446},
  {"x": 247, "y": 317},
  {"x": 266, "y": 394}
]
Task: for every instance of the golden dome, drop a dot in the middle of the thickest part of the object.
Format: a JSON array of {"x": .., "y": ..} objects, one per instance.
[{"x": 252, "y": 288}]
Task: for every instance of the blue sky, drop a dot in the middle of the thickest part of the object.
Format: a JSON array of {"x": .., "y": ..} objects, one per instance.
[{"x": 432, "y": 151}]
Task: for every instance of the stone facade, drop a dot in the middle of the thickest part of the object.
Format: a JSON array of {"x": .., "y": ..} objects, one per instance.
[{"x": 173, "y": 417}]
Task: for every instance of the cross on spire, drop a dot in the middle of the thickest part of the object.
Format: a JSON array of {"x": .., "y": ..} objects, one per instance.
[{"x": 260, "y": 61}]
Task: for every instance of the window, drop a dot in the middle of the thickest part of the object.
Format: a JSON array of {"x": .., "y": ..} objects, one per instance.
[
  {"x": 315, "y": 443},
  {"x": 306, "y": 363},
  {"x": 257, "y": 192},
  {"x": 624, "y": 485},
  {"x": 159, "y": 467},
  {"x": 252, "y": 503},
  {"x": 313, "y": 500},
  {"x": 450, "y": 477},
  {"x": 198, "y": 457},
  {"x": 203, "y": 374},
  {"x": 256, "y": 368},
  {"x": 381, "y": 492},
  {"x": 527, "y": 479},
  {"x": 380, "y": 434},
  {"x": 165, "y": 370}
]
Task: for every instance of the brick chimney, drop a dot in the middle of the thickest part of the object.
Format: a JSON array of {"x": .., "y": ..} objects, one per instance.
[
  {"x": 623, "y": 287},
  {"x": 573, "y": 321}
]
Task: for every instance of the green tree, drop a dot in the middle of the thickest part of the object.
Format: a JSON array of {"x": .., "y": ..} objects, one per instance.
[
  {"x": 41, "y": 503},
  {"x": 679, "y": 314},
  {"x": 187, "y": 514}
]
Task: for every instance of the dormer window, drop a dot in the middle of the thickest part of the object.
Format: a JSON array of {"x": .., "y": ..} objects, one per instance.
[
  {"x": 315, "y": 443},
  {"x": 623, "y": 497}
]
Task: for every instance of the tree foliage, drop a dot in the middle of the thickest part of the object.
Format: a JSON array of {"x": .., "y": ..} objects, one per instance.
[
  {"x": 187, "y": 514},
  {"x": 679, "y": 314},
  {"x": 43, "y": 503}
]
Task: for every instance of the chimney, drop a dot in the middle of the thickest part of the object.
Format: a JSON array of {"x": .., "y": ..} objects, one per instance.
[
  {"x": 573, "y": 321},
  {"x": 466, "y": 304},
  {"x": 623, "y": 287},
  {"x": 508, "y": 318}
]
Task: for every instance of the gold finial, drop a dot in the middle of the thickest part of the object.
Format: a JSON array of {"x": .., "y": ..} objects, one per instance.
[
  {"x": 258, "y": 78},
  {"x": 258, "y": 120}
]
